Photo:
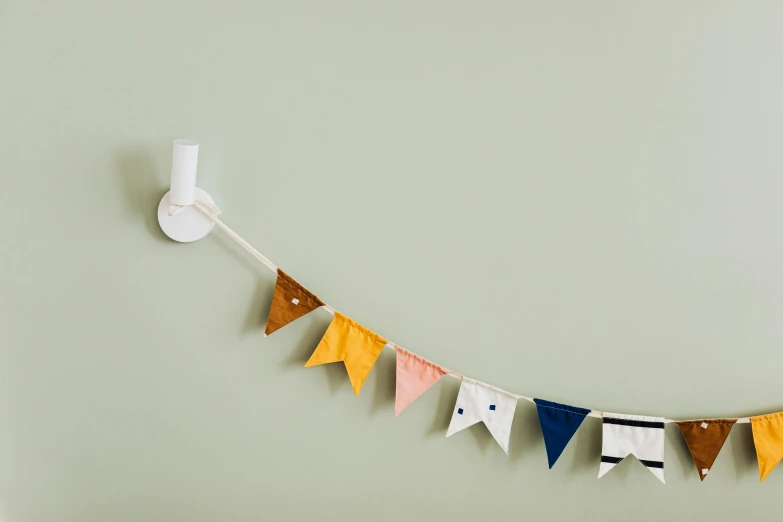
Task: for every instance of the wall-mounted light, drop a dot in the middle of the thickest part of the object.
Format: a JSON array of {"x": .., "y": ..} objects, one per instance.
[{"x": 177, "y": 216}]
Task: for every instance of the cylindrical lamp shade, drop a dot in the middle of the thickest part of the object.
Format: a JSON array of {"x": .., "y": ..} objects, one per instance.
[{"x": 183, "y": 172}]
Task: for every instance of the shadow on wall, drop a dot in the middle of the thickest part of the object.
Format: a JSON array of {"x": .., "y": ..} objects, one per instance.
[
  {"x": 143, "y": 188},
  {"x": 385, "y": 383},
  {"x": 259, "y": 306},
  {"x": 741, "y": 447},
  {"x": 448, "y": 389},
  {"x": 266, "y": 278}
]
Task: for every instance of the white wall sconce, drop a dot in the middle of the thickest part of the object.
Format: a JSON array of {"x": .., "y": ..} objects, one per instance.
[{"x": 178, "y": 217}]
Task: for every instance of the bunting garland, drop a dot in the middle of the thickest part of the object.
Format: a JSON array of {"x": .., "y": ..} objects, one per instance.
[{"x": 642, "y": 436}]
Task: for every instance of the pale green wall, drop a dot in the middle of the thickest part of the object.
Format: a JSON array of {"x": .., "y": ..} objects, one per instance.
[{"x": 576, "y": 200}]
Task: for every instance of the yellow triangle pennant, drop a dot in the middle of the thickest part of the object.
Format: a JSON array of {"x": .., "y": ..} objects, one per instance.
[
  {"x": 347, "y": 341},
  {"x": 768, "y": 437}
]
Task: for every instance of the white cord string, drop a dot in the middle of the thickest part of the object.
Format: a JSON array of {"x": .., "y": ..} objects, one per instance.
[{"x": 212, "y": 212}]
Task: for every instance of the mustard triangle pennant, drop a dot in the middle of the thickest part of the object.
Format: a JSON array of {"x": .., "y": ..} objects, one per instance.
[
  {"x": 347, "y": 341},
  {"x": 768, "y": 438}
]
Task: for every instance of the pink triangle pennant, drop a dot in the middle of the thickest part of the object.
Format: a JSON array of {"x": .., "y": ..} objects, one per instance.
[{"x": 415, "y": 375}]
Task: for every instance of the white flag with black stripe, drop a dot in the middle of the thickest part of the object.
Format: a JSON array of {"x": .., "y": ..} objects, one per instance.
[
  {"x": 478, "y": 402},
  {"x": 625, "y": 435}
]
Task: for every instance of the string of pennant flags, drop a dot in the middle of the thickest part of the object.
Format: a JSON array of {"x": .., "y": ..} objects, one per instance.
[{"x": 358, "y": 348}]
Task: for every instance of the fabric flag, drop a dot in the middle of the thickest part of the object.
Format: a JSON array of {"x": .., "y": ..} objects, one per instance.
[
  {"x": 478, "y": 402},
  {"x": 559, "y": 422},
  {"x": 632, "y": 435},
  {"x": 415, "y": 375},
  {"x": 347, "y": 341},
  {"x": 768, "y": 437},
  {"x": 290, "y": 301},
  {"x": 705, "y": 438}
]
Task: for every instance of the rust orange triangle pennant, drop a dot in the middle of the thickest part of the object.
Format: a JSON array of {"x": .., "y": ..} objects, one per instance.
[
  {"x": 705, "y": 439},
  {"x": 347, "y": 341},
  {"x": 290, "y": 301}
]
